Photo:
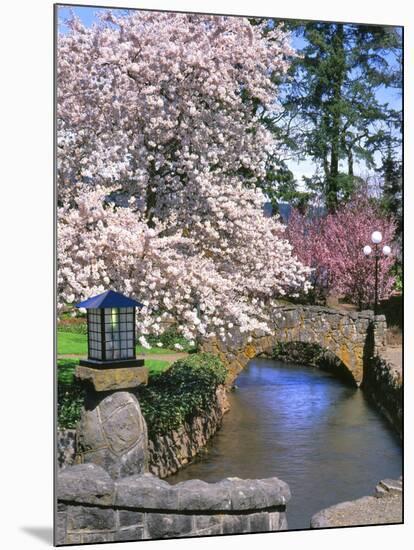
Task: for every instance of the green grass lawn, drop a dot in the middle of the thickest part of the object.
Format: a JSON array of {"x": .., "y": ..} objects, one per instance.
[
  {"x": 156, "y": 366},
  {"x": 66, "y": 368},
  {"x": 71, "y": 343}
]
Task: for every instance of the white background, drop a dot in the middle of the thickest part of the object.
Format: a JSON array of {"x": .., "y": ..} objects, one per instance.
[{"x": 26, "y": 260}]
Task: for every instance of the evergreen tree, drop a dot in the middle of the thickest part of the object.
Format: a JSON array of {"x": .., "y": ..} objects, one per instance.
[
  {"x": 391, "y": 171},
  {"x": 331, "y": 93},
  {"x": 279, "y": 185}
]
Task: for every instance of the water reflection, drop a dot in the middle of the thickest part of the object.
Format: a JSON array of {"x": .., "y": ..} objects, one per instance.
[{"x": 306, "y": 427}]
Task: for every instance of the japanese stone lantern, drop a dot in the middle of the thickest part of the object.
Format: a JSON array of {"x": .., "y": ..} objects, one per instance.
[{"x": 112, "y": 431}]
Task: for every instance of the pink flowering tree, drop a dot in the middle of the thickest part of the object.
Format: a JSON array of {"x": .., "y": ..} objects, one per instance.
[
  {"x": 161, "y": 108},
  {"x": 333, "y": 246}
]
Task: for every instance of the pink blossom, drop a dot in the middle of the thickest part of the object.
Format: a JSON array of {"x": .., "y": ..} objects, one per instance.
[{"x": 333, "y": 246}]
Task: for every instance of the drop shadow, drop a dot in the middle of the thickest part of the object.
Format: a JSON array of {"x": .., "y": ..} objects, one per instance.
[{"x": 45, "y": 534}]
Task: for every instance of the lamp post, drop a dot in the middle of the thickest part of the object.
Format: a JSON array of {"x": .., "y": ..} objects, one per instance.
[{"x": 376, "y": 239}]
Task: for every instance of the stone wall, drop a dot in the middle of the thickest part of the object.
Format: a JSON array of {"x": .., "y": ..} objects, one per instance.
[
  {"x": 383, "y": 385},
  {"x": 92, "y": 507},
  {"x": 66, "y": 447},
  {"x": 170, "y": 452},
  {"x": 166, "y": 453},
  {"x": 348, "y": 336}
]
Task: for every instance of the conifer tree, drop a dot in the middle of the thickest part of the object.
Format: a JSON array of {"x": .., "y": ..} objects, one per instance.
[{"x": 332, "y": 95}]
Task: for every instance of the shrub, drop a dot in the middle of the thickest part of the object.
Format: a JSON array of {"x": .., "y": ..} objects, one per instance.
[
  {"x": 298, "y": 352},
  {"x": 177, "y": 395},
  {"x": 74, "y": 325},
  {"x": 70, "y": 401},
  {"x": 66, "y": 371},
  {"x": 398, "y": 274},
  {"x": 169, "y": 338}
]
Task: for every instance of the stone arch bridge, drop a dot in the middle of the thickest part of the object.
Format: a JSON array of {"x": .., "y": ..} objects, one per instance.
[{"x": 352, "y": 337}]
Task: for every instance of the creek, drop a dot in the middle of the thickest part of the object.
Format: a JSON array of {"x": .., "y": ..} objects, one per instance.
[{"x": 306, "y": 427}]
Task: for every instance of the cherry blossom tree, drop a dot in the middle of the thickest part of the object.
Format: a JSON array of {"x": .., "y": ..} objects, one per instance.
[
  {"x": 162, "y": 109},
  {"x": 333, "y": 246},
  {"x": 223, "y": 278},
  {"x": 154, "y": 101}
]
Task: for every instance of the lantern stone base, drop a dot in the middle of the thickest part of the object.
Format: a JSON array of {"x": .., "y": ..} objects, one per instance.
[
  {"x": 109, "y": 379},
  {"x": 112, "y": 433}
]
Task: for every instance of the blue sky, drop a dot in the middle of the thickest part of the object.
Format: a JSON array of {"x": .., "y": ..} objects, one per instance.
[{"x": 88, "y": 15}]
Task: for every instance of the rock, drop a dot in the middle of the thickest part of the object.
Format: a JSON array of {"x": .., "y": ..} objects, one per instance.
[
  {"x": 277, "y": 492},
  {"x": 128, "y": 518},
  {"x": 195, "y": 494},
  {"x": 128, "y": 534},
  {"x": 222, "y": 399},
  {"x": 206, "y": 522},
  {"x": 66, "y": 447},
  {"x": 383, "y": 386},
  {"x": 160, "y": 526},
  {"x": 259, "y": 522},
  {"x": 388, "y": 487},
  {"x": 90, "y": 518},
  {"x": 113, "y": 434},
  {"x": 85, "y": 483},
  {"x": 236, "y": 524},
  {"x": 146, "y": 491},
  {"x": 246, "y": 494},
  {"x": 113, "y": 379}
]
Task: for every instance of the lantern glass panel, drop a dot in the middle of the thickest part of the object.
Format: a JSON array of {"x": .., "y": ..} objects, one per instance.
[
  {"x": 115, "y": 339},
  {"x": 94, "y": 334}
]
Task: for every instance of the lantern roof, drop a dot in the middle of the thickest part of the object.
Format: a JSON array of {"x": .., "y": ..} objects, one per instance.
[{"x": 110, "y": 298}]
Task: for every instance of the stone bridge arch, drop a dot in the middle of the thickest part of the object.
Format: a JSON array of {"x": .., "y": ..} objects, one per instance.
[{"x": 349, "y": 336}]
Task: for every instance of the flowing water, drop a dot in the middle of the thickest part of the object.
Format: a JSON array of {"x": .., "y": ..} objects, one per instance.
[{"x": 306, "y": 427}]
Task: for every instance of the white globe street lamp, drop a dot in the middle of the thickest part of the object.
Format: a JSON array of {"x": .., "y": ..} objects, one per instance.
[{"x": 376, "y": 238}]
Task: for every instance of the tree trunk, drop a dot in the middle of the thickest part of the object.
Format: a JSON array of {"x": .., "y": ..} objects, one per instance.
[
  {"x": 338, "y": 79},
  {"x": 350, "y": 162}
]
